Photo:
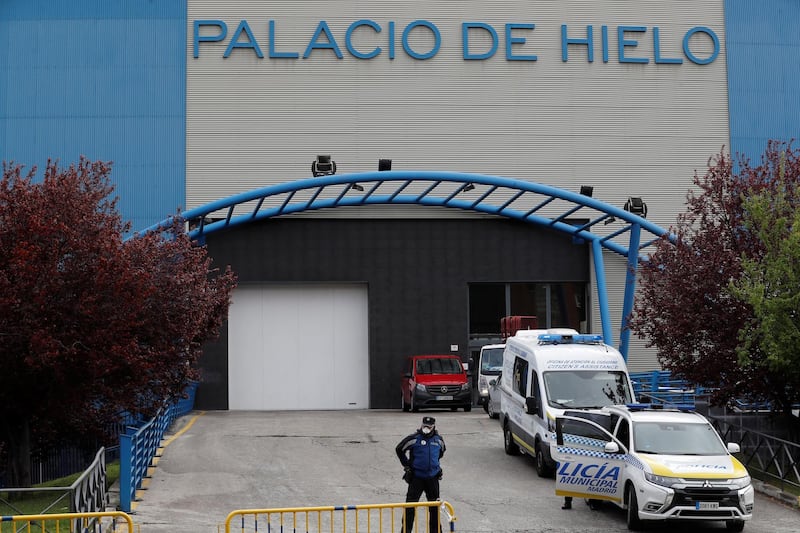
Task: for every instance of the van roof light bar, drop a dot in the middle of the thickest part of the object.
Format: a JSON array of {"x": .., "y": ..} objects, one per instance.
[{"x": 551, "y": 338}]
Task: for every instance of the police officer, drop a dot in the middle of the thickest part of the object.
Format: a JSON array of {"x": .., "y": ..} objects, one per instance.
[{"x": 419, "y": 453}]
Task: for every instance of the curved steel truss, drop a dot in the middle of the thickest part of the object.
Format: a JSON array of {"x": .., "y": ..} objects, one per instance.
[{"x": 580, "y": 216}]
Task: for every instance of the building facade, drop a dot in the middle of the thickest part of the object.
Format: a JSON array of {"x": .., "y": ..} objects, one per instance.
[{"x": 197, "y": 100}]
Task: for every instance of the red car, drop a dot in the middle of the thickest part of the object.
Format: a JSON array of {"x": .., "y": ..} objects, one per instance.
[{"x": 435, "y": 381}]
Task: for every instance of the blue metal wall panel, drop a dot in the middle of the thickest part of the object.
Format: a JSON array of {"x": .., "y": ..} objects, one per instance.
[
  {"x": 763, "y": 47},
  {"x": 100, "y": 78}
]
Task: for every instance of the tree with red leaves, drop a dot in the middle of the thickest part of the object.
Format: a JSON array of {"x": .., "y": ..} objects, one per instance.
[
  {"x": 695, "y": 304},
  {"x": 92, "y": 324}
]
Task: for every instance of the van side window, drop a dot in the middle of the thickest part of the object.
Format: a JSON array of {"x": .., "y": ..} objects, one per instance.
[
  {"x": 536, "y": 393},
  {"x": 521, "y": 376}
]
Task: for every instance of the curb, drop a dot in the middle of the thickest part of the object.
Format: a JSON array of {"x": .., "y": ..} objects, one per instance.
[{"x": 776, "y": 493}]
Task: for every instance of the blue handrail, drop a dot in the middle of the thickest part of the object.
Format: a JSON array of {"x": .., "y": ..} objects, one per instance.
[{"x": 139, "y": 445}]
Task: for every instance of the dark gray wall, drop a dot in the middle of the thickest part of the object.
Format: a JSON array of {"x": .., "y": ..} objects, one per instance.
[{"x": 417, "y": 271}]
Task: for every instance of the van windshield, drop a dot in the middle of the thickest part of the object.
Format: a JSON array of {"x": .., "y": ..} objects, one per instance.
[
  {"x": 492, "y": 361},
  {"x": 444, "y": 365},
  {"x": 585, "y": 389}
]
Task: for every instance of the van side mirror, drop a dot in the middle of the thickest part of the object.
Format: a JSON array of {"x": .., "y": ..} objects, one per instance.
[
  {"x": 532, "y": 405},
  {"x": 611, "y": 447},
  {"x": 734, "y": 448}
]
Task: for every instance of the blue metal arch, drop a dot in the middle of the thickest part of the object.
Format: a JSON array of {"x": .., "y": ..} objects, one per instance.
[{"x": 526, "y": 201}]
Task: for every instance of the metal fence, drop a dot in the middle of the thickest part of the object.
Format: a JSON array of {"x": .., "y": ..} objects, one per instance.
[
  {"x": 771, "y": 459},
  {"x": 87, "y": 494},
  {"x": 67, "y": 522},
  {"x": 140, "y": 444},
  {"x": 345, "y": 518},
  {"x": 659, "y": 387}
]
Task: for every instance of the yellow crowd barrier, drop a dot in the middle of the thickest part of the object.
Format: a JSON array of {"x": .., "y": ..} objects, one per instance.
[
  {"x": 67, "y": 522},
  {"x": 368, "y": 518}
]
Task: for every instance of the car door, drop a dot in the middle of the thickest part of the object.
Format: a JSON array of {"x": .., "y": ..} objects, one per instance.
[{"x": 590, "y": 460}]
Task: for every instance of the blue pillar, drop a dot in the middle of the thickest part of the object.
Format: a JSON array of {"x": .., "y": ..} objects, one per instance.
[
  {"x": 125, "y": 473},
  {"x": 602, "y": 295},
  {"x": 630, "y": 289}
]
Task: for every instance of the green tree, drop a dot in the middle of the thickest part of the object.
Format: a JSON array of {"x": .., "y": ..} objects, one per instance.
[
  {"x": 770, "y": 285},
  {"x": 686, "y": 307},
  {"x": 92, "y": 324}
]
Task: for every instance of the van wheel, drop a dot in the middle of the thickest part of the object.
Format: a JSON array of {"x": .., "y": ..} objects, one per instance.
[
  {"x": 734, "y": 525},
  {"x": 486, "y": 407},
  {"x": 491, "y": 412},
  {"x": 510, "y": 446},
  {"x": 542, "y": 469},
  {"x": 406, "y": 407},
  {"x": 634, "y": 522},
  {"x": 467, "y": 408},
  {"x": 414, "y": 406}
]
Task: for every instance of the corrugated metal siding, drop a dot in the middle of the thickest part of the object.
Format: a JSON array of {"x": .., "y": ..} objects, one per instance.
[
  {"x": 763, "y": 73},
  {"x": 640, "y": 358},
  {"x": 625, "y": 129},
  {"x": 101, "y": 79}
]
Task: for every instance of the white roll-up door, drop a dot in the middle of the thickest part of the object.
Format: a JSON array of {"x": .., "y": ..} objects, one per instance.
[{"x": 297, "y": 347}]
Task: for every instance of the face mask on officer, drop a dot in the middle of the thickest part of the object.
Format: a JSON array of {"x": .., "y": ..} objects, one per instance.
[{"x": 428, "y": 425}]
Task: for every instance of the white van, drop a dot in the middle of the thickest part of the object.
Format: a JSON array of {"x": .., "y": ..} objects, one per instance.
[
  {"x": 546, "y": 372},
  {"x": 490, "y": 363}
]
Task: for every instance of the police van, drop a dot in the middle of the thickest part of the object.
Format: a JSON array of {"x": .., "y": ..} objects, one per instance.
[
  {"x": 546, "y": 372},
  {"x": 657, "y": 463}
]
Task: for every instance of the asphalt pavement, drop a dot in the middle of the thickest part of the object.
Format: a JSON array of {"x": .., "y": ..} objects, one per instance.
[{"x": 220, "y": 461}]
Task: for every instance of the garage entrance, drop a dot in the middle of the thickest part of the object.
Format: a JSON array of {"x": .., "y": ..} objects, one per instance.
[
  {"x": 298, "y": 347},
  {"x": 418, "y": 269}
]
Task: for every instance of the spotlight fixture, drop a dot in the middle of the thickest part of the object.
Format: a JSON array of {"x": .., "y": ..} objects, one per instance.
[
  {"x": 636, "y": 206},
  {"x": 384, "y": 164},
  {"x": 587, "y": 190},
  {"x": 609, "y": 220},
  {"x": 323, "y": 166},
  {"x": 468, "y": 187},
  {"x": 356, "y": 187}
]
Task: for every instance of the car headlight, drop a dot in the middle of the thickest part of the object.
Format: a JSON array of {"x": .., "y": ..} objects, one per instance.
[
  {"x": 420, "y": 387},
  {"x": 740, "y": 482},
  {"x": 664, "y": 481},
  {"x": 465, "y": 386}
]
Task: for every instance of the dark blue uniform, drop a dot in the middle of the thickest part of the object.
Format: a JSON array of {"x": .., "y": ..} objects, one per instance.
[{"x": 420, "y": 454}]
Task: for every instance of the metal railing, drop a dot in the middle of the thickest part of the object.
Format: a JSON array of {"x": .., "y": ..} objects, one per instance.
[
  {"x": 139, "y": 445},
  {"x": 345, "y": 518},
  {"x": 659, "y": 387},
  {"x": 87, "y": 494},
  {"x": 772, "y": 459},
  {"x": 66, "y": 522}
]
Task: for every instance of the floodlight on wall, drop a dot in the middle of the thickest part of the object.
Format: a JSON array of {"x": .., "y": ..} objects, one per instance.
[
  {"x": 323, "y": 166},
  {"x": 587, "y": 190},
  {"x": 609, "y": 220},
  {"x": 384, "y": 164},
  {"x": 468, "y": 187},
  {"x": 356, "y": 187},
  {"x": 636, "y": 206}
]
